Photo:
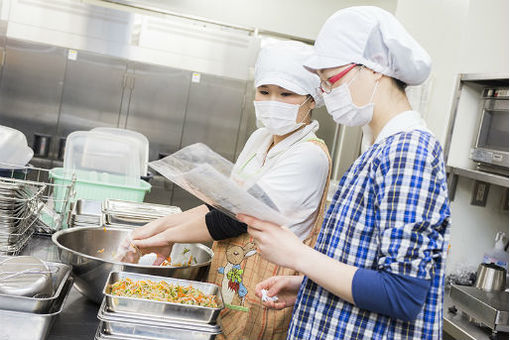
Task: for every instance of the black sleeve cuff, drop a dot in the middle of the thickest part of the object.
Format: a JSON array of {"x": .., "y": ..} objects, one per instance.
[{"x": 222, "y": 227}]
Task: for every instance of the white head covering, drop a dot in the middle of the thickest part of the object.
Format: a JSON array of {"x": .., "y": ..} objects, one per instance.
[
  {"x": 281, "y": 63},
  {"x": 373, "y": 37}
]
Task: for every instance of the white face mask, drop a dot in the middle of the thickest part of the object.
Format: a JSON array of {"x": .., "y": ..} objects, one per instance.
[
  {"x": 279, "y": 118},
  {"x": 340, "y": 106}
]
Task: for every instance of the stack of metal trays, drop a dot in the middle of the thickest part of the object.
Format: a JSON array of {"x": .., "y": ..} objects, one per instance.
[
  {"x": 129, "y": 318},
  {"x": 86, "y": 213},
  {"x": 19, "y": 209},
  {"x": 31, "y": 318},
  {"x": 117, "y": 213}
]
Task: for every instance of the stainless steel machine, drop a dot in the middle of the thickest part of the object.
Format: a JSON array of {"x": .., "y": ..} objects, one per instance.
[{"x": 491, "y": 146}]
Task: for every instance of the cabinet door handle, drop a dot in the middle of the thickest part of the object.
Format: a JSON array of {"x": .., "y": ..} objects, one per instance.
[
  {"x": 128, "y": 81},
  {"x": 2, "y": 57}
]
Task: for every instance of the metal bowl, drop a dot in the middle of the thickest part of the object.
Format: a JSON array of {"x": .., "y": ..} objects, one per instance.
[{"x": 90, "y": 251}]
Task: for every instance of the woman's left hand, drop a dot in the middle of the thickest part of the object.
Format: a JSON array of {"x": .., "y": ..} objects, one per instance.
[{"x": 275, "y": 243}]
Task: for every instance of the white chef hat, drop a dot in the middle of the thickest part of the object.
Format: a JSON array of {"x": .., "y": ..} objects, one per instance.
[
  {"x": 281, "y": 63},
  {"x": 373, "y": 37}
]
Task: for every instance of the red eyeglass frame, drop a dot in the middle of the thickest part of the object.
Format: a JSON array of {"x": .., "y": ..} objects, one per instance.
[{"x": 332, "y": 80}]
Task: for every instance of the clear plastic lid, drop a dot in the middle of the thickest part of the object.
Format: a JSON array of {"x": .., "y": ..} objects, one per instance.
[
  {"x": 143, "y": 143},
  {"x": 95, "y": 151},
  {"x": 14, "y": 150},
  {"x": 206, "y": 175}
]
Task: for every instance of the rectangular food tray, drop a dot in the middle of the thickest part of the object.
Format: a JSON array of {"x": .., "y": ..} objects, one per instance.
[
  {"x": 133, "y": 211},
  {"x": 130, "y": 331},
  {"x": 151, "y": 320},
  {"x": 167, "y": 310},
  {"x": 30, "y": 326},
  {"x": 60, "y": 275}
]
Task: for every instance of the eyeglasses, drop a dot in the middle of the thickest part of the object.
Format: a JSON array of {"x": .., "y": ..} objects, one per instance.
[{"x": 327, "y": 85}]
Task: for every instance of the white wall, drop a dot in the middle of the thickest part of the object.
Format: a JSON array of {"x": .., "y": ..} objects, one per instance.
[
  {"x": 474, "y": 228},
  {"x": 441, "y": 38},
  {"x": 462, "y": 36}
]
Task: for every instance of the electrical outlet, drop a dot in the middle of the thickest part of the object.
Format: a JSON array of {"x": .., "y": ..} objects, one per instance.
[{"x": 480, "y": 193}]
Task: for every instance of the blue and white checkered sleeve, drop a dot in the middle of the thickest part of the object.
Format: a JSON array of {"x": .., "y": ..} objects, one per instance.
[{"x": 411, "y": 205}]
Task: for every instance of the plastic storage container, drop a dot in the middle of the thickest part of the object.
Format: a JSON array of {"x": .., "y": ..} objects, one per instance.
[
  {"x": 143, "y": 143},
  {"x": 92, "y": 185},
  {"x": 94, "y": 151}
]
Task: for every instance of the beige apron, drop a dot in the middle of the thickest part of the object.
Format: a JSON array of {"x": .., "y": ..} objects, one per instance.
[{"x": 237, "y": 268}]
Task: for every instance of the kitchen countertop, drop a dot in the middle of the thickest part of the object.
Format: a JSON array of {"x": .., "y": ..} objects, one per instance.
[{"x": 78, "y": 320}]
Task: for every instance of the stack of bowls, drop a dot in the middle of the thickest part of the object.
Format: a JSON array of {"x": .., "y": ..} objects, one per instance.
[{"x": 142, "y": 318}]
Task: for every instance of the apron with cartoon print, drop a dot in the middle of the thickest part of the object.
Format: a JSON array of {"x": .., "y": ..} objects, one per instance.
[{"x": 237, "y": 268}]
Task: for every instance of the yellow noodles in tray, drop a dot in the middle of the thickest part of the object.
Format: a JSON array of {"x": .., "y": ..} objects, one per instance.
[{"x": 163, "y": 291}]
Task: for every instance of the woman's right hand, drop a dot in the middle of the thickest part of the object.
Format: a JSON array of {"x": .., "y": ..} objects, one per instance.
[
  {"x": 160, "y": 244},
  {"x": 127, "y": 253},
  {"x": 159, "y": 235},
  {"x": 285, "y": 287}
]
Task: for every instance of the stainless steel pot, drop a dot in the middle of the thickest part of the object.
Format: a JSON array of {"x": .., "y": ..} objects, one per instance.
[
  {"x": 490, "y": 277},
  {"x": 91, "y": 250}
]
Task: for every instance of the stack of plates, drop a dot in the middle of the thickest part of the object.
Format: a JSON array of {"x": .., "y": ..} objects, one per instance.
[
  {"x": 127, "y": 318},
  {"x": 86, "y": 213},
  {"x": 19, "y": 208},
  {"x": 133, "y": 214},
  {"x": 34, "y": 315}
]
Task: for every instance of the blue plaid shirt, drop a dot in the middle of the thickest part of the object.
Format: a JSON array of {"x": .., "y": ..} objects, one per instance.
[{"x": 390, "y": 213}]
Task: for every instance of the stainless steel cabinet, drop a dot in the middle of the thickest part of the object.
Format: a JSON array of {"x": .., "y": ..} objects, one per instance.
[
  {"x": 157, "y": 106},
  {"x": 213, "y": 114},
  {"x": 93, "y": 89},
  {"x": 213, "y": 117},
  {"x": 31, "y": 88}
]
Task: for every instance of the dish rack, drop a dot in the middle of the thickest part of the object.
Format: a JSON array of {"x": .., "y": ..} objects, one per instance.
[{"x": 50, "y": 205}]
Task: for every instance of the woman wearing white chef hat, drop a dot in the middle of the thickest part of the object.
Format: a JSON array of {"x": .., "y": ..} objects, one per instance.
[
  {"x": 377, "y": 269},
  {"x": 289, "y": 163}
]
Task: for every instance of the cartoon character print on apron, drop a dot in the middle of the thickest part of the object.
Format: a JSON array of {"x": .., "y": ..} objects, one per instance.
[{"x": 237, "y": 268}]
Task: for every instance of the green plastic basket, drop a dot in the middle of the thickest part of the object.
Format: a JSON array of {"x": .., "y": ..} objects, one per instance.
[{"x": 96, "y": 186}]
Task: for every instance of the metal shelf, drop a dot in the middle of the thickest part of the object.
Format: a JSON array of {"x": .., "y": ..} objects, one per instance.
[
  {"x": 490, "y": 79},
  {"x": 478, "y": 175}
]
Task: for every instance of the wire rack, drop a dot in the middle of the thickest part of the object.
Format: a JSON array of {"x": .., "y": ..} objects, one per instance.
[
  {"x": 19, "y": 207},
  {"x": 49, "y": 207}
]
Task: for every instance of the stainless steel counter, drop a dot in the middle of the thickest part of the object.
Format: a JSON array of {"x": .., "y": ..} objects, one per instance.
[{"x": 78, "y": 320}]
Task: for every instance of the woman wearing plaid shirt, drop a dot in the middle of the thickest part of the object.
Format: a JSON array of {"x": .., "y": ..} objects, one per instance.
[{"x": 377, "y": 270}]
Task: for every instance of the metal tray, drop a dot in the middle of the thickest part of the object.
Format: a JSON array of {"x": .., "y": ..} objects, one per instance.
[
  {"x": 151, "y": 320},
  {"x": 129, "y": 222},
  {"x": 38, "y": 305},
  {"x": 87, "y": 207},
  {"x": 131, "y": 331},
  {"x": 135, "y": 210},
  {"x": 172, "y": 311},
  {"x": 30, "y": 326},
  {"x": 13, "y": 249}
]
